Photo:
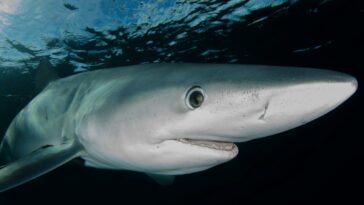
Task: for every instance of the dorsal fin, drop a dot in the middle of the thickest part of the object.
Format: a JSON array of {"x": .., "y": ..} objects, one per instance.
[{"x": 45, "y": 74}]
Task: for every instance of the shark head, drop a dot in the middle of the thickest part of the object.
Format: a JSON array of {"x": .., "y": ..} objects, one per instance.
[{"x": 183, "y": 118}]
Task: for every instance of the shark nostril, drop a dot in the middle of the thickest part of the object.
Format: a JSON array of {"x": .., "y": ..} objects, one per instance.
[{"x": 262, "y": 116}]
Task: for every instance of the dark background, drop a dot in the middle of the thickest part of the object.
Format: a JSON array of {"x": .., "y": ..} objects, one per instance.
[{"x": 317, "y": 162}]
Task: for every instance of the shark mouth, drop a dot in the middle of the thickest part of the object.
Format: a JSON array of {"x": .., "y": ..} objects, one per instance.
[{"x": 212, "y": 144}]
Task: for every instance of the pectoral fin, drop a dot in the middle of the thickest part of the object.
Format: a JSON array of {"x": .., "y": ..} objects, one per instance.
[
  {"x": 36, "y": 163},
  {"x": 162, "y": 179}
]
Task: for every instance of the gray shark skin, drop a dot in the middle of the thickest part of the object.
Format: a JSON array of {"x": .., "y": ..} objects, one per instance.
[{"x": 163, "y": 119}]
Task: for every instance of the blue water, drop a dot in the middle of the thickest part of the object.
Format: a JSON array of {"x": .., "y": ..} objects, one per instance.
[{"x": 319, "y": 161}]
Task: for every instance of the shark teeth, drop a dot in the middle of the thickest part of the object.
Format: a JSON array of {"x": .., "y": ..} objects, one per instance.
[{"x": 218, "y": 145}]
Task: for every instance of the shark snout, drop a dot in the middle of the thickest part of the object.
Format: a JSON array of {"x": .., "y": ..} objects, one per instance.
[
  {"x": 332, "y": 93},
  {"x": 298, "y": 103},
  {"x": 346, "y": 87}
]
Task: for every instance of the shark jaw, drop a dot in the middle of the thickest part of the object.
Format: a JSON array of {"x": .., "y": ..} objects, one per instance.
[{"x": 211, "y": 144}]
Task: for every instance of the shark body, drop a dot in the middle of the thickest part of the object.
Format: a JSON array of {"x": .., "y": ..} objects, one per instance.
[{"x": 163, "y": 119}]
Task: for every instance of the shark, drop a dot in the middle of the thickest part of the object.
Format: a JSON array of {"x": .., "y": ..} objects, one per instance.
[{"x": 161, "y": 119}]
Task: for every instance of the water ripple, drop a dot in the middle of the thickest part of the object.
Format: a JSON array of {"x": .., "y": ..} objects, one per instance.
[{"x": 100, "y": 33}]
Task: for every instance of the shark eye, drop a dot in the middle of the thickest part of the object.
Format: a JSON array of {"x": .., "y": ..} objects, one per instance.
[{"x": 195, "y": 97}]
